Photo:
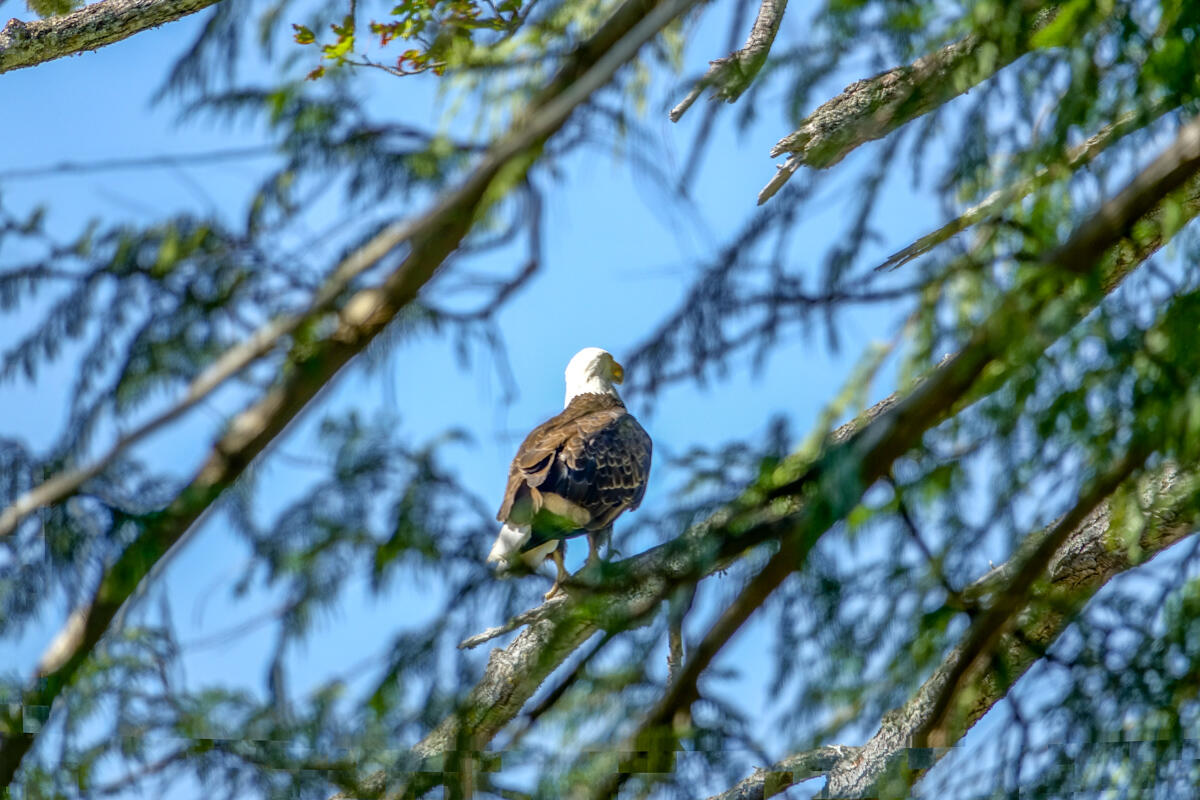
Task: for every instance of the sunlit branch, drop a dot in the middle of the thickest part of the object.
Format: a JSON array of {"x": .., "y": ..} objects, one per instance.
[
  {"x": 988, "y": 626},
  {"x": 1085, "y": 563},
  {"x": 26, "y": 44},
  {"x": 770, "y": 781},
  {"x": 872, "y": 108}
]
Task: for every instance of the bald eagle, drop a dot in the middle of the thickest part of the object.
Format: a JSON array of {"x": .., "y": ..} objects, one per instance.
[{"x": 574, "y": 473}]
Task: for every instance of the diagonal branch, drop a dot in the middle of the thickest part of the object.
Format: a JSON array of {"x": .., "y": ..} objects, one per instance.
[
  {"x": 987, "y": 627},
  {"x": 872, "y": 108},
  {"x": 732, "y": 74},
  {"x": 27, "y": 44},
  {"x": 1085, "y": 563},
  {"x": 794, "y": 769},
  {"x": 311, "y": 365}
]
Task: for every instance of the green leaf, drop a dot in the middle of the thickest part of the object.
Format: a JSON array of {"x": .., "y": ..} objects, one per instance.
[
  {"x": 1061, "y": 30},
  {"x": 50, "y": 8}
]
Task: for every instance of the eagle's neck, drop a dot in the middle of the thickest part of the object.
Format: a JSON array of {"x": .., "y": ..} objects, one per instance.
[{"x": 592, "y": 384}]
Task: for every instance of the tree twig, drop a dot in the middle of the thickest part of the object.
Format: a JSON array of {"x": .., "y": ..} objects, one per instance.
[
  {"x": 731, "y": 75},
  {"x": 1000, "y": 199},
  {"x": 139, "y": 162}
]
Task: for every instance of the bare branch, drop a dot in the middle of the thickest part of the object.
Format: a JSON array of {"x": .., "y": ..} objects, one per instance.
[
  {"x": 26, "y": 44},
  {"x": 732, "y": 74},
  {"x": 431, "y": 238},
  {"x": 517, "y": 621},
  {"x": 139, "y": 162}
]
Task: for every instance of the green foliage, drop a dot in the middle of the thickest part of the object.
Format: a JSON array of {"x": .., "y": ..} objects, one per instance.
[{"x": 50, "y": 8}]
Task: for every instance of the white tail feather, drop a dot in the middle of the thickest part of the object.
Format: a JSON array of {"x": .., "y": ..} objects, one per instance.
[{"x": 508, "y": 544}]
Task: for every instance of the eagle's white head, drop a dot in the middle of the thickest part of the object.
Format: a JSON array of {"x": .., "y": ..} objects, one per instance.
[{"x": 592, "y": 371}]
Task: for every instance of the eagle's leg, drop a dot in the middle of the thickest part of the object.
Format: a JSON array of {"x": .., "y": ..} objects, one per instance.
[
  {"x": 596, "y": 540},
  {"x": 557, "y": 557}
]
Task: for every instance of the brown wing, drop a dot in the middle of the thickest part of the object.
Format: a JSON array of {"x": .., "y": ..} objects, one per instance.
[
  {"x": 594, "y": 455},
  {"x": 605, "y": 470}
]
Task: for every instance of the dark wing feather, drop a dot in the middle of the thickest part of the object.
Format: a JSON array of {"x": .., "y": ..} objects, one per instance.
[
  {"x": 594, "y": 455},
  {"x": 604, "y": 468}
]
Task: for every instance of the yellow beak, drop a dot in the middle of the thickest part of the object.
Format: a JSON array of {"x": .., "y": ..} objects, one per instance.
[{"x": 618, "y": 372}]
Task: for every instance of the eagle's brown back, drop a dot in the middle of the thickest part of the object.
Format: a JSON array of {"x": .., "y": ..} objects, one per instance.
[{"x": 594, "y": 455}]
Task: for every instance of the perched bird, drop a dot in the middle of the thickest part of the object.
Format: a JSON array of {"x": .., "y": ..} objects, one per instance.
[{"x": 574, "y": 473}]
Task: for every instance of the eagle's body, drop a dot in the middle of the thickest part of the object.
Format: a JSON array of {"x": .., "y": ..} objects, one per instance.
[{"x": 574, "y": 473}]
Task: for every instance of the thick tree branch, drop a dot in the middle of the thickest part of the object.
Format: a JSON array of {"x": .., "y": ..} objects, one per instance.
[
  {"x": 26, "y": 44},
  {"x": 872, "y": 108},
  {"x": 1086, "y": 562},
  {"x": 732, "y": 74},
  {"x": 988, "y": 626},
  {"x": 312, "y": 364}
]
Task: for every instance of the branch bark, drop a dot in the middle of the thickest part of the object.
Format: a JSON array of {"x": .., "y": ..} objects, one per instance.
[
  {"x": 27, "y": 44},
  {"x": 1088, "y": 560},
  {"x": 311, "y": 365},
  {"x": 794, "y": 769}
]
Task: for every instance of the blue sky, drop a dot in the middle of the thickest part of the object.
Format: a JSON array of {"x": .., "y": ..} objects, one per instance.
[{"x": 608, "y": 229}]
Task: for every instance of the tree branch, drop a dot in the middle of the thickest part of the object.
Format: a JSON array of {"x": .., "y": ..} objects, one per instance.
[
  {"x": 872, "y": 108},
  {"x": 988, "y": 626},
  {"x": 732, "y": 74},
  {"x": 859, "y": 454},
  {"x": 26, "y": 44},
  {"x": 311, "y": 365}
]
